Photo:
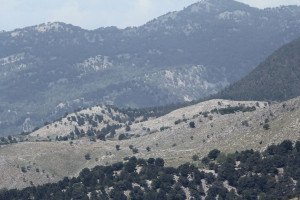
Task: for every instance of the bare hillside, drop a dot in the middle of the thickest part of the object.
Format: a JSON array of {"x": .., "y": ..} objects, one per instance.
[{"x": 195, "y": 130}]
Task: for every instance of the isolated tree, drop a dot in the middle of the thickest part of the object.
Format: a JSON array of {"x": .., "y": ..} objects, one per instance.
[
  {"x": 113, "y": 133},
  {"x": 213, "y": 154},
  {"x": 266, "y": 126},
  {"x": 136, "y": 194},
  {"x": 72, "y": 135},
  {"x": 87, "y": 156},
  {"x": 130, "y": 165},
  {"x": 297, "y": 146},
  {"x": 159, "y": 162},
  {"x": 78, "y": 191},
  {"x": 135, "y": 150},
  {"x": 286, "y": 146},
  {"x": 205, "y": 160},
  {"x": 77, "y": 132},
  {"x": 151, "y": 161},
  {"x": 117, "y": 193},
  {"x": 122, "y": 137},
  {"x": 195, "y": 157},
  {"x": 192, "y": 124},
  {"x": 127, "y": 128},
  {"x": 101, "y": 136}
]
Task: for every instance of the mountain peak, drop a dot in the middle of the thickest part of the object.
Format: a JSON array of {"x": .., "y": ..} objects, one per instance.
[
  {"x": 45, "y": 27},
  {"x": 55, "y": 26},
  {"x": 216, "y": 5}
]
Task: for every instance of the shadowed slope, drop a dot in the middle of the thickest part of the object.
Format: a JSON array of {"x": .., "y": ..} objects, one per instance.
[{"x": 277, "y": 78}]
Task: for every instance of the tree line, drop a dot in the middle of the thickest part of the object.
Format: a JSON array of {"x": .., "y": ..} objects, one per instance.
[{"x": 272, "y": 174}]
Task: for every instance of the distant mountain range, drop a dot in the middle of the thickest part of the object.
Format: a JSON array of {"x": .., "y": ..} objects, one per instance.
[
  {"x": 53, "y": 68},
  {"x": 275, "y": 79}
]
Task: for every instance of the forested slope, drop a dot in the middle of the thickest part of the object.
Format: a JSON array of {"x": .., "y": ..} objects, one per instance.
[
  {"x": 273, "y": 174},
  {"x": 275, "y": 79}
]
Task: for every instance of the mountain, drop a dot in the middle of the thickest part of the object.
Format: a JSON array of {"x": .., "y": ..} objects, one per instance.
[
  {"x": 54, "y": 68},
  {"x": 275, "y": 79},
  {"x": 103, "y": 135}
]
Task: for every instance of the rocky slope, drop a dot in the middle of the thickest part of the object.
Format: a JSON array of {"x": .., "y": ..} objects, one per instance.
[
  {"x": 227, "y": 125},
  {"x": 53, "y": 68}
]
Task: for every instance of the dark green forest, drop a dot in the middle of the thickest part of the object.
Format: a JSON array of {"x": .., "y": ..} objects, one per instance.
[
  {"x": 275, "y": 79},
  {"x": 272, "y": 174}
]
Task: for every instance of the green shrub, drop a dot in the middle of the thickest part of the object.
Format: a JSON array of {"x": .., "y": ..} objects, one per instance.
[
  {"x": 192, "y": 124},
  {"x": 87, "y": 156},
  {"x": 266, "y": 126}
]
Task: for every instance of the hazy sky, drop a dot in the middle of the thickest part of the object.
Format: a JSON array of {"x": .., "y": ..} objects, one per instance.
[{"x": 92, "y": 14}]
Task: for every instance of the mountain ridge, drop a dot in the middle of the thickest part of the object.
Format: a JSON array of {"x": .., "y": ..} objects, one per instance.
[{"x": 145, "y": 65}]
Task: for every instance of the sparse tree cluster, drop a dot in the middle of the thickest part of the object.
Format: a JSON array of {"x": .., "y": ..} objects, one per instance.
[{"x": 253, "y": 175}]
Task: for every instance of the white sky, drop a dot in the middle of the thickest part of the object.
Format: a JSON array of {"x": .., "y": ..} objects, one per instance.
[{"x": 92, "y": 14}]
